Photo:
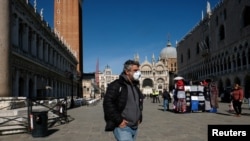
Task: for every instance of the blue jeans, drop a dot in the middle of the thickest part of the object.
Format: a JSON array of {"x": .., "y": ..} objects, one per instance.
[
  {"x": 125, "y": 134},
  {"x": 165, "y": 104}
]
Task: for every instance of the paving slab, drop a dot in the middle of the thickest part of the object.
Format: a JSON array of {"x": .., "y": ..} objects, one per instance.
[{"x": 87, "y": 124}]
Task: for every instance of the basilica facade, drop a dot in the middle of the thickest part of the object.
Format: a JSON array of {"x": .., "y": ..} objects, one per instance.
[{"x": 158, "y": 73}]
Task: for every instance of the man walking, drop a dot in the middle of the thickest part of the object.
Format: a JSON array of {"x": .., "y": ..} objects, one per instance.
[{"x": 123, "y": 103}]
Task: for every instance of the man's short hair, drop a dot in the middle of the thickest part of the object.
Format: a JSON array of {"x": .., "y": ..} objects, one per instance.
[{"x": 129, "y": 63}]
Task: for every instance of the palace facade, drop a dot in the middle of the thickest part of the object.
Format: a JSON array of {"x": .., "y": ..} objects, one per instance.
[{"x": 218, "y": 47}]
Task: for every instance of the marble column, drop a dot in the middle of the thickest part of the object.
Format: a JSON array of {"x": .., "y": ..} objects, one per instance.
[{"x": 5, "y": 46}]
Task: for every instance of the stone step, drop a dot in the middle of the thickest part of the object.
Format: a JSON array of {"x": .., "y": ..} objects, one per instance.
[
  {"x": 14, "y": 129},
  {"x": 18, "y": 124},
  {"x": 15, "y": 121},
  {"x": 4, "y": 121}
]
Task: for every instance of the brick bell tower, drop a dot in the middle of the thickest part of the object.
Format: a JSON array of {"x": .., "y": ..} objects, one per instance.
[{"x": 68, "y": 24}]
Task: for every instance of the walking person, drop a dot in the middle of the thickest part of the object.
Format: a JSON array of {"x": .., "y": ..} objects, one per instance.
[
  {"x": 154, "y": 94},
  {"x": 123, "y": 103},
  {"x": 237, "y": 97},
  {"x": 214, "y": 96},
  {"x": 157, "y": 97},
  {"x": 247, "y": 96},
  {"x": 166, "y": 99}
]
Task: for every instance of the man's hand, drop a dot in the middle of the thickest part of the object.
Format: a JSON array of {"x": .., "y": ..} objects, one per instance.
[
  {"x": 123, "y": 123},
  {"x": 139, "y": 122}
]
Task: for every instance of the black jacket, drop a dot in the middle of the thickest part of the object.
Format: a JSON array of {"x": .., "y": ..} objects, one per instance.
[
  {"x": 166, "y": 95},
  {"x": 115, "y": 101}
]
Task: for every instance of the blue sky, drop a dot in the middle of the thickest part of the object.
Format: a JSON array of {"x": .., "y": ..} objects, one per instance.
[{"x": 115, "y": 30}]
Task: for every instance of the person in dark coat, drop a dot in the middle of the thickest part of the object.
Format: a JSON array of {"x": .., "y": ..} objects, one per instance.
[
  {"x": 123, "y": 103},
  {"x": 166, "y": 99}
]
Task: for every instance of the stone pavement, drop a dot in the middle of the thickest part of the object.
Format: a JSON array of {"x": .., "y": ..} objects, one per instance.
[{"x": 87, "y": 124}]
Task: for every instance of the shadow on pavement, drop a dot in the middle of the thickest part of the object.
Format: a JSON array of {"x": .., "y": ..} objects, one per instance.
[
  {"x": 52, "y": 131},
  {"x": 225, "y": 114}
]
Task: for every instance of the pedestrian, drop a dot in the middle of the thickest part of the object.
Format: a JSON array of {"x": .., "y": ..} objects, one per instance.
[
  {"x": 154, "y": 96},
  {"x": 237, "y": 97},
  {"x": 158, "y": 96},
  {"x": 166, "y": 99},
  {"x": 214, "y": 96},
  {"x": 123, "y": 103},
  {"x": 102, "y": 95},
  {"x": 247, "y": 96}
]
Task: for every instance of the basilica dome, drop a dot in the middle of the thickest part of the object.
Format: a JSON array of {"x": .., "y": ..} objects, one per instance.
[{"x": 168, "y": 52}]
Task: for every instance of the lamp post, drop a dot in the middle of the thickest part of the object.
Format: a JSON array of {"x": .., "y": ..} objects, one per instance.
[
  {"x": 72, "y": 104},
  {"x": 73, "y": 76}
]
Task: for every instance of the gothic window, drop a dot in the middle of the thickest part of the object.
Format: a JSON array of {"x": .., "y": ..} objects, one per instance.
[
  {"x": 37, "y": 45},
  {"x": 50, "y": 54},
  {"x": 238, "y": 60},
  {"x": 207, "y": 43},
  {"x": 248, "y": 56},
  {"x": 217, "y": 20},
  {"x": 244, "y": 59},
  {"x": 213, "y": 68},
  {"x": 208, "y": 69},
  {"x": 217, "y": 67},
  {"x": 29, "y": 41},
  {"x": 225, "y": 64},
  {"x": 234, "y": 62},
  {"x": 225, "y": 14},
  {"x": 246, "y": 16},
  {"x": 229, "y": 63},
  {"x": 246, "y": 44},
  {"x": 189, "y": 54},
  {"x": 20, "y": 35},
  {"x": 197, "y": 48},
  {"x": 44, "y": 50},
  {"x": 221, "y": 33},
  {"x": 181, "y": 58}
]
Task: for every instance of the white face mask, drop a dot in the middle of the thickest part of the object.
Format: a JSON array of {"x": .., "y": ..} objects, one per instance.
[{"x": 137, "y": 75}]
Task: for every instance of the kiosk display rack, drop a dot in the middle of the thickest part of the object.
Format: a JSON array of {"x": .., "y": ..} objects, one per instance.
[{"x": 195, "y": 98}]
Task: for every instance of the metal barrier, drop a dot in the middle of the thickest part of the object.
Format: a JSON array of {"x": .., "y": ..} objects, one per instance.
[
  {"x": 57, "y": 106},
  {"x": 16, "y": 112},
  {"x": 11, "y": 120}
]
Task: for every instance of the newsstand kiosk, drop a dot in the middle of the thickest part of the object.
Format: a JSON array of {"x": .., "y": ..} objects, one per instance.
[{"x": 195, "y": 99}]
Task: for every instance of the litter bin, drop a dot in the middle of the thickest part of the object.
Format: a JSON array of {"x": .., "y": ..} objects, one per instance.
[{"x": 40, "y": 123}]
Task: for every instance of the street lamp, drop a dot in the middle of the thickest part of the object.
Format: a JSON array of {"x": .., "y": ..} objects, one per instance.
[{"x": 72, "y": 91}]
